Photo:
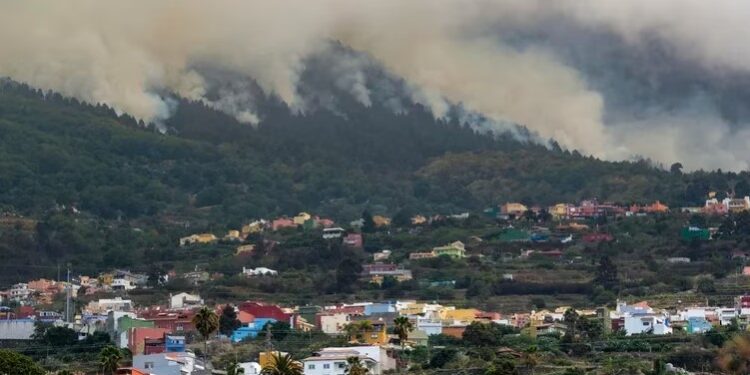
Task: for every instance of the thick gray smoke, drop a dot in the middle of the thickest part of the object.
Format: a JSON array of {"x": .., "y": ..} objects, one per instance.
[{"x": 607, "y": 78}]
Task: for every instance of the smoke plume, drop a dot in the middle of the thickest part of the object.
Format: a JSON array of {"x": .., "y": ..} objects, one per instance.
[{"x": 611, "y": 79}]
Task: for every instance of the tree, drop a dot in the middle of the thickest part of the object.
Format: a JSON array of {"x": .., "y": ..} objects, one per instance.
[
  {"x": 705, "y": 284},
  {"x": 501, "y": 367},
  {"x": 15, "y": 363},
  {"x": 279, "y": 330},
  {"x": 402, "y": 218},
  {"x": 486, "y": 334},
  {"x": 206, "y": 322},
  {"x": 109, "y": 359},
  {"x": 282, "y": 365},
  {"x": 734, "y": 356},
  {"x": 355, "y": 367},
  {"x": 228, "y": 321},
  {"x": 233, "y": 368},
  {"x": 347, "y": 274},
  {"x": 402, "y": 327},
  {"x": 570, "y": 317},
  {"x": 368, "y": 224},
  {"x": 530, "y": 359},
  {"x": 676, "y": 168},
  {"x": 606, "y": 273},
  {"x": 356, "y": 330}
]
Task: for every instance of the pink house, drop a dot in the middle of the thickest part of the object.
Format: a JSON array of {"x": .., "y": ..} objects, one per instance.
[
  {"x": 746, "y": 271},
  {"x": 282, "y": 223}
]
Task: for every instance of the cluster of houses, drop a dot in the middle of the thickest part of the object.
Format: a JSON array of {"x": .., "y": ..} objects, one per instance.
[
  {"x": 43, "y": 291},
  {"x": 302, "y": 220},
  {"x": 158, "y": 335},
  {"x": 585, "y": 210}
]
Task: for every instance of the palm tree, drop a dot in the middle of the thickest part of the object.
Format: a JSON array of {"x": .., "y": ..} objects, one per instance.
[
  {"x": 530, "y": 359},
  {"x": 233, "y": 368},
  {"x": 355, "y": 367},
  {"x": 355, "y": 330},
  {"x": 402, "y": 327},
  {"x": 282, "y": 365},
  {"x": 109, "y": 359},
  {"x": 206, "y": 322}
]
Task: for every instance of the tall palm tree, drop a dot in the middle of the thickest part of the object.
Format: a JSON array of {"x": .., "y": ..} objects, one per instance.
[
  {"x": 109, "y": 359},
  {"x": 233, "y": 368},
  {"x": 355, "y": 367},
  {"x": 356, "y": 330},
  {"x": 206, "y": 322},
  {"x": 402, "y": 327},
  {"x": 530, "y": 359},
  {"x": 282, "y": 365}
]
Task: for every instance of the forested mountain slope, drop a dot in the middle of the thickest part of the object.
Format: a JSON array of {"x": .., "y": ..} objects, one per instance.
[{"x": 57, "y": 151}]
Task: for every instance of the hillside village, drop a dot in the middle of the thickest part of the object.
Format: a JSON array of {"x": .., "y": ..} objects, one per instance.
[{"x": 163, "y": 332}]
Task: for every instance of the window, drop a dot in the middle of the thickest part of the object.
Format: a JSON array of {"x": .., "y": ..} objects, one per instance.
[
  {"x": 326, "y": 366},
  {"x": 311, "y": 367},
  {"x": 148, "y": 365},
  {"x": 646, "y": 324},
  {"x": 341, "y": 364}
]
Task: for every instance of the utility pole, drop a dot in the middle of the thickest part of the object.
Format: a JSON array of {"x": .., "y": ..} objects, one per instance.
[
  {"x": 269, "y": 335},
  {"x": 67, "y": 297}
]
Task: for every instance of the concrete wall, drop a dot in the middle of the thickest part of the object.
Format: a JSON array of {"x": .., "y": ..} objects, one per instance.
[{"x": 16, "y": 329}]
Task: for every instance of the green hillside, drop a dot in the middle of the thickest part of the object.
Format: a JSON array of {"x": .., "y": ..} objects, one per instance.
[{"x": 138, "y": 189}]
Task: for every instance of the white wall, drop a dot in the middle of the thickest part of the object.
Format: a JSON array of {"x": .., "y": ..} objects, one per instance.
[
  {"x": 333, "y": 324},
  {"x": 16, "y": 329}
]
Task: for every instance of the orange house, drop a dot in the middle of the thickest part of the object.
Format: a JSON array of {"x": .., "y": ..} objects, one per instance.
[{"x": 454, "y": 331}]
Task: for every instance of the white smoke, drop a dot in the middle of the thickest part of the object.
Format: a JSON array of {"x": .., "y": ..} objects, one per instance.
[{"x": 129, "y": 53}]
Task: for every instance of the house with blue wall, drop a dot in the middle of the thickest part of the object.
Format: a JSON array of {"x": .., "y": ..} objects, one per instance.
[
  {"x": 379, "y": 308},
  {"x": 252, "y": 329},
  {"x": 697, "y": 324},
  {"x": 174, "y": 343}
]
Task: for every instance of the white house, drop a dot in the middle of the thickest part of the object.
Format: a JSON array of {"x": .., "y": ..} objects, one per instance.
[
  {"x": 726, "y": 315},
  {"x": 331, "y": 233},
  {"x": 332, "y": 361},
  {"x": 656, "y": 324},
  {"x": 430, "y": 326},
  {"x": 19, "y": 292},
  {"x": 122, "y": 284},
  {"x": 109, "y": 304},
  {"x": 250, "y": 368},
  {"x": 333, "y": 324},
  {"x": 259, "y": 271},
  {"x": 184, "y": 300},
  {"x": 169, "y": 363}
]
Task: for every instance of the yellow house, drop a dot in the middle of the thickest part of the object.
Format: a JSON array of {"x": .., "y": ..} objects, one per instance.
[
  {"x": 513, "y": 209},
  {"x": 106, "y": 278},
  {"x": 453, "y": 250},
  {"x": 378, "y": 335},
  {"x": 418, "y": 220},
  {"x": 460, "y": 315},
  {"x": 202, "y": 238},
  {"x": 266, "y": 358},
  {"x": 559, "y": 210},
  {"x": 252, "y": 228},
  {"x": 412, "y": 309},
  {"x": 301, "y": 218},
  {"x": 242, "y": 249},
  {"x": 381, "y": 221}
]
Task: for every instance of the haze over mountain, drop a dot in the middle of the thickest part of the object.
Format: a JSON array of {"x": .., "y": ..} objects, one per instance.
[{"x": 613, "y": 80}]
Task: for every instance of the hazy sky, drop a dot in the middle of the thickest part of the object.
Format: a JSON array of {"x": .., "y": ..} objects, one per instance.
[{"x": 662, "y": 79}]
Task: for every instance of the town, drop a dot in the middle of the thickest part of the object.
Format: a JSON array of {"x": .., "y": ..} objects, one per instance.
[{"x": 117, "y": 309}]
